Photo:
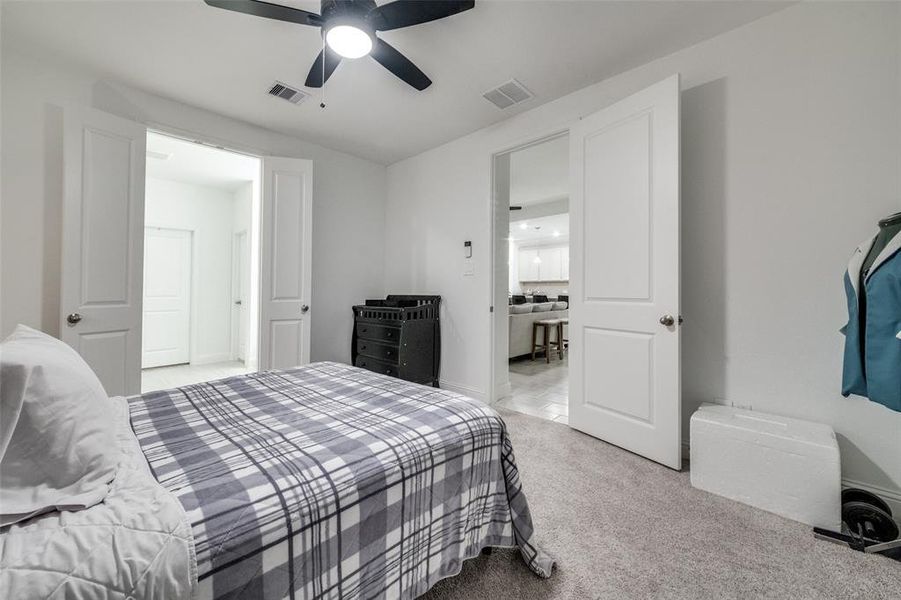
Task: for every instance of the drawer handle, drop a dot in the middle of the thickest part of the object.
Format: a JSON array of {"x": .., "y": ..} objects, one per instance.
[
  {"x": 388, "y": 372},
  {"x": 363, "y": 347},
  {"x": 364, "y": 330},
  {"x": 388, "y": 353},
  {"x": 389, "y": 334}
]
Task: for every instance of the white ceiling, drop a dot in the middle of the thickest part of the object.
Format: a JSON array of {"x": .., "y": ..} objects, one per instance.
[
  {"x": 541, "y": 229},
  {"x": 225, "y": 61},
  {"x": 188, "y": 162},
  {"x": 540, "y": 173}
]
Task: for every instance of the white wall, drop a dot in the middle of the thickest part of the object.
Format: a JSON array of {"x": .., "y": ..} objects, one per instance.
[
  {"x": 791, "y": 152},
  {"x": 348, "y": 194},
  {"x": 209, "y": 214}
]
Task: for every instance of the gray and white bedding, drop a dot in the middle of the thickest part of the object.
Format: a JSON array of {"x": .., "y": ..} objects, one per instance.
[
  {"x": 327, "y": 481},
  {"x": 134, "y": 545},
  {"x": 324, "y": 481}
]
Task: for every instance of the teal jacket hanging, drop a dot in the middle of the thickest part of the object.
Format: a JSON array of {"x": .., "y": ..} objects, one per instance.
[{"x": 872, "y": 365}]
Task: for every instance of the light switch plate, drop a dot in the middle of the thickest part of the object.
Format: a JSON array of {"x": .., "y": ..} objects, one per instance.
[{"x": 469, "y": 267}]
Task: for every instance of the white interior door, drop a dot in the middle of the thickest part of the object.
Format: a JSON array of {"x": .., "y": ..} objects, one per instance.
[
  {"x": 286, "y": 246},
  {"x": 167, "y": 297},
  {"x": 240, "y": 285},
  {"x": 103, "y": 235},
  {"x": 624, "y": 291}
]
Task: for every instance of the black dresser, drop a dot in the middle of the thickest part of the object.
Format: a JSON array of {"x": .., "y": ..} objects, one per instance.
[{"x": 399, "y": 336}]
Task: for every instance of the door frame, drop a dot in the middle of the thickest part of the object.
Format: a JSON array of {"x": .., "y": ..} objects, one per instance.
[
  {"x": 192, "y": 306},
  {"x": 235, "y": 334},
  {"x": 496, "y": 311},
  {"x": 256, "y": 207}
]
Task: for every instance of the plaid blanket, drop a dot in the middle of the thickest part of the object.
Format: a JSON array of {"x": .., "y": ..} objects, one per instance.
[{"x": 328, "y": 481}]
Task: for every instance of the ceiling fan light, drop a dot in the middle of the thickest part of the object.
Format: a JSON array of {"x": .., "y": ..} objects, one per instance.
[{"x": 349, "y": 41}]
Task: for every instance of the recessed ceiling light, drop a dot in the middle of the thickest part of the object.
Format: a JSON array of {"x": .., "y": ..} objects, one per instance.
[
  {"x": 556, "y": 233},
  {"x": 523, "y": 225}
]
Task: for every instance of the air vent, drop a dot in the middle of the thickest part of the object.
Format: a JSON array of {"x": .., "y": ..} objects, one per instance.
[
  {"x": 286, "y": 92},
  {"x": 159, "y": 155},
  {"x": 508, "y": 94}
]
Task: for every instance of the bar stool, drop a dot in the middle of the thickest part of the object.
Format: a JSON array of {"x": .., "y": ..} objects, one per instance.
[
  {"x": 565, "y": 342},
  {"x": 547, "y": 325}
]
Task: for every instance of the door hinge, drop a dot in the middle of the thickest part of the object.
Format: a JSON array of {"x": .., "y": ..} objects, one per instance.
[{"x": 491, "y": 309}]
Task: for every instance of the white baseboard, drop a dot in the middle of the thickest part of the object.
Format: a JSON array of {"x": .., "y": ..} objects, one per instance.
[
  {"x": 463, "y": 389},
  {"x": 206, "y": 359}
]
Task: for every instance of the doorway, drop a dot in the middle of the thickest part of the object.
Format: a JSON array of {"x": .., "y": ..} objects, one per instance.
[
  {"x": 201, "y": 256},
  {"x": 532, "y": 278}
]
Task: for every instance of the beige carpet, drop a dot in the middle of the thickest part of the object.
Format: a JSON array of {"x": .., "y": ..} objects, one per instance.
[{"x": 623, "y": 527}]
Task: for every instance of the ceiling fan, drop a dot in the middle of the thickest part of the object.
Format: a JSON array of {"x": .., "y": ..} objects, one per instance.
[{"x": 349, "y": 29}]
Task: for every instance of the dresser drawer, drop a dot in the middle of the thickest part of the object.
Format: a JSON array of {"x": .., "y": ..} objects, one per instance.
[
  {"x": 384, "y": 333},
  {"x": 386, "y": 352},
  {"x": 376, "y": 366}
]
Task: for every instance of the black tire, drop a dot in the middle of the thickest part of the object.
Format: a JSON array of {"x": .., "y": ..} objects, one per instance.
[
  {"x": 858, "y": 495},
  {"x": 873, "y": 522}
]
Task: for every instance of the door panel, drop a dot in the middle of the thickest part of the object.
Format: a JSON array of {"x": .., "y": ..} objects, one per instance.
[
  {"x": 167, "y": 297},
  {"x": 286, "y": 259},
  {"x": 624, "y": 364},
  {"x": 617, "y": 205},
  {"x": 285, "y": 338},
  {"x": 103, "y": 217}
]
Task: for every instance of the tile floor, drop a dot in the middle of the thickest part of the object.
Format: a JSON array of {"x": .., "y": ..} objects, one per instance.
[
  {"x": 539, "y": 389},
  {"x": 163, "y": 378}
]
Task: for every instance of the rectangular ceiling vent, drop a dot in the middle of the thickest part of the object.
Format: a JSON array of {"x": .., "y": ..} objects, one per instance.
[
  {"x": 508, "y": 94},
  {"x": 286, "y": 92}
]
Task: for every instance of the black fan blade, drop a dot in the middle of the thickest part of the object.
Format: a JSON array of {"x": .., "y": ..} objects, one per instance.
[
  {"x": 315, "y": 78},
  {"x": 399, "y": 64},
  {"x": 269, "y": 11},
  {"x": 403, "y": 13}
]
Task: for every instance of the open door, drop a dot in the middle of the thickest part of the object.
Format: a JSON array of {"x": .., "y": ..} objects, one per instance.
[
  {"x": 103, "y": 241},
  {"x": 625, "y": 383},
  {"x": 285, "y": 277}
]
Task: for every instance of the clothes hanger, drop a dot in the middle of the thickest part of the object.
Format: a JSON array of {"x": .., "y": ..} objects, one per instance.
[{"x": 890, "y": 220}]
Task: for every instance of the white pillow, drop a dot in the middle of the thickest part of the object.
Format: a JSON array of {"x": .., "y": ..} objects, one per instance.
[
  {"x": 520, "y": 309},
  {"x": 560, "y": 305},
  {"x": 542, "y": 306},
  {"x": 57, "y": 438}
]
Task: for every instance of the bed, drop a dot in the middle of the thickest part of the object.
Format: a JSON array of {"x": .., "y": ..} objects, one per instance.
[{"x": 324, "y": 481}]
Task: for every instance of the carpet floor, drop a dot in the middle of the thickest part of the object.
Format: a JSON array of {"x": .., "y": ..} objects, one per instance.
[{"x": 623, "y": 527}]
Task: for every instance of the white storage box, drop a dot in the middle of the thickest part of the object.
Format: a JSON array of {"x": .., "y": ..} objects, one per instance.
[{"x": 786, "y": 466}]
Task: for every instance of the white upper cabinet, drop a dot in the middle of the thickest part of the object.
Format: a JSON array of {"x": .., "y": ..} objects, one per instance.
[
  {"x": 544, "y": 264},
  {"x": 528, "y": 264},
  {"x": 550, "y": 268}
]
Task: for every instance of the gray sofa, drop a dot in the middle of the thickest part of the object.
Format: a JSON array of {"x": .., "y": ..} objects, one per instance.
[{"x": 520, "y": 322}]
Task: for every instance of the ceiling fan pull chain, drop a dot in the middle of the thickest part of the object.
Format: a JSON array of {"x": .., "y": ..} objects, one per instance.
[{"x": 322, "y": 87}]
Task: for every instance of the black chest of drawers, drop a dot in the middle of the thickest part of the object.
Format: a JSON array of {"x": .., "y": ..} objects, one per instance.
[{"x": 399, "y": 336}]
